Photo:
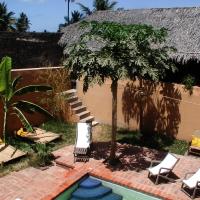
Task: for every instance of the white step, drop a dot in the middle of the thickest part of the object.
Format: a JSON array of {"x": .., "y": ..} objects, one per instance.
[
  {"x": 79, "y": 109},
  {"x": 83, "y": 114},
  {"x": 94, "y": 123},
  {"x": 68, "y": 92},
  {"x": 87, "y": 119}
]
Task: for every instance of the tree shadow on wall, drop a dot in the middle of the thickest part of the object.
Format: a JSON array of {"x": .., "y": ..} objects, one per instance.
[{"x": 155, "y": 109}]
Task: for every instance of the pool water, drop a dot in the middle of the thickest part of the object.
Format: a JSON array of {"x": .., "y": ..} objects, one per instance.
[{"x": 92, "y": 188}]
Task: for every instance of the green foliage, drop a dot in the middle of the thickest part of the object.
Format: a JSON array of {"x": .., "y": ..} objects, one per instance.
[
  {"x": 121, "y": 51},
  {"x": 22, "y": 23},
  {"x": 157, "y": 141},
  {"x": 7, "y": 21},
  {"x": 116, "y": 51},
  {"x": 189, "y": 82},
  {"x": 75, "y": 17},
  {"x": 98, "y": 5},
  {"x": 43, "y": 155},
  {"x": 8, "y": 90},
  {"x": 66, "y": 130}
]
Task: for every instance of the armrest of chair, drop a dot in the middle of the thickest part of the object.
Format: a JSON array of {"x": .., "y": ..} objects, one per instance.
[
  {"x": 165, "y": 169},
  {"x": 154, "y": 162},
  {"x": 198, "y": 183},
  {"x": 189, "y": 173}
]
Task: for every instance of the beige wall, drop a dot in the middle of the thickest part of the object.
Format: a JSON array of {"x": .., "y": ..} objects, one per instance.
[{"x": 166, "y": 108}]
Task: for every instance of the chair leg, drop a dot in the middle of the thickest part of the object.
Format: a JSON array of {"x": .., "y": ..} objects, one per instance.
[
  {"x": 182, "y": 186},
  {"x": 157, "y": 179},
  {"x": 194, "y": 192}
]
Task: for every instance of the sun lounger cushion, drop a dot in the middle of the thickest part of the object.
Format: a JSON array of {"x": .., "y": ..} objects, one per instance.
[
  {"x": 83, "y": 135},
  {"x": 191, "y": 182},
  {"x": 168, "y": 162},
  {"x": 195, "y": 141}
]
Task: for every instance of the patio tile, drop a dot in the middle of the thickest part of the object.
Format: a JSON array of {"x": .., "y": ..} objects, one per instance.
[{"x": 32, "y": 183}]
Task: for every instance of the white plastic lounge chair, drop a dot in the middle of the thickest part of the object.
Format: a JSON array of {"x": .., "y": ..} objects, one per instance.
[
  {"x": 164, "y": 168},
  {"x": 83, "y": 142},
  {"x": 193, "y": 183}
]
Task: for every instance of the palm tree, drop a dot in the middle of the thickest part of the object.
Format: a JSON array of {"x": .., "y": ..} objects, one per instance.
[
  {"x": 22, "y": 24},
  {"x": 66, "y": 22},
  {"x": 76, "y": 16},
  {"x": 98, "y": 5},
  {"x": 68, "y": 2},
  {"x": 7, "y": 20},
  {"x": 8, "y": 92}
]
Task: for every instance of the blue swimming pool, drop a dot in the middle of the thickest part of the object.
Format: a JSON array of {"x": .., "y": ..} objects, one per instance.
[{"x": 92, "y": 188}]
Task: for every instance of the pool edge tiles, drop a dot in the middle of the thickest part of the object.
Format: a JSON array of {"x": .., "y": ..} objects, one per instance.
[{"x": 126, "y": 192}]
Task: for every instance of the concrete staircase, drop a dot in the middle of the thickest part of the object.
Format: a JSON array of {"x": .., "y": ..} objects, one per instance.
[{"x": 78, "y": 109}]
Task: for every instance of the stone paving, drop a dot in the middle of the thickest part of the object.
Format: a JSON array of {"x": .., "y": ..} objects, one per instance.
[{"x": 32, "y": 183}]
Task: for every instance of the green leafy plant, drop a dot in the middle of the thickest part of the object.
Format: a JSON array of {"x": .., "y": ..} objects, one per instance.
[
  {"x": 8, "y": 92},
  {"x": 121, "y": 52},
  {"x": 43, "y": 154},
  {"x": 189, "y": 82}
]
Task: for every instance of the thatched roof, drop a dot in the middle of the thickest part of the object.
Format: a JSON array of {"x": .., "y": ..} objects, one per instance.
[{"x": 183, "y": 25}]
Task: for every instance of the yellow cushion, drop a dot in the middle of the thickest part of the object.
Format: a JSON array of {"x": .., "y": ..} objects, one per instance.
[{"x": 195, "y": 141}]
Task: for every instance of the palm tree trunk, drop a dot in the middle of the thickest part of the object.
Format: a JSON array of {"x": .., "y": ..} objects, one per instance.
[
  {"x": 68, "y": 10},
  {"x": 114, "y": 87}
]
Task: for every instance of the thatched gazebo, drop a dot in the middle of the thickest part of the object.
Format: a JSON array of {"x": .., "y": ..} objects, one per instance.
[{"x": 183, "y": 25}]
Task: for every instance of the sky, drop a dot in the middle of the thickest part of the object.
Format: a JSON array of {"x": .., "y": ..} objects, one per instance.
[{"x": 48, "y": 14}]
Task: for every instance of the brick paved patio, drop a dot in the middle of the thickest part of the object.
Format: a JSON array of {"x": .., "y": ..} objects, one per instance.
[{"x": 36, "y": 184}]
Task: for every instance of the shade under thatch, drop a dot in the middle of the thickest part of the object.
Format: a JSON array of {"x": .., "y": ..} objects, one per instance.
[{"x": 183, "y": 25}]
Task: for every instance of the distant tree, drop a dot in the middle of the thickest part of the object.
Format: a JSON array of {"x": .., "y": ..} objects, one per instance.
[
  {"x": 22, "y": 23},
  {"x": 124, "y": 51},
  {"x": 76, "y": 16},
  {"x": 98, "y": 5},
  {"x": 63, "y": 24},
  {"x": 7, "y": 20},
  {"x": 68, "y": 2}
]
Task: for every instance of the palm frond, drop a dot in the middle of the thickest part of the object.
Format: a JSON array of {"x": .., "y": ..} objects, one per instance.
[
  {"x": 23, "y": 119},
  {"x": 15, "y": 82},
  {"x": 31, "y": 107},
  {"x": 85, "y": 9},
  {"x": 112, "y": 5},
  {"x": 32, "y": 88}
]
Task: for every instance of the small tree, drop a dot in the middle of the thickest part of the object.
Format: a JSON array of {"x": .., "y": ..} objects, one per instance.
[
  {"x": 8, "y": 91},
  {"x": 122, "y": 51},
  {"x": 22, "y": 23}
]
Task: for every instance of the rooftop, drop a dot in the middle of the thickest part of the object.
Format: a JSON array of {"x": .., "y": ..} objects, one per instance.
[{"x": 183, "y": 25}]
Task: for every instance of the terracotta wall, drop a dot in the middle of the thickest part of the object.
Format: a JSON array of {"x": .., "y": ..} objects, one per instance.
[
  {"x": 164, "y": 108},
  {"x": 29, "y": 76}
]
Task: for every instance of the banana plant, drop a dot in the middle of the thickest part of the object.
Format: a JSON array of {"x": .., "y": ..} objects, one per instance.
[{"x": 8, "y": 92}]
